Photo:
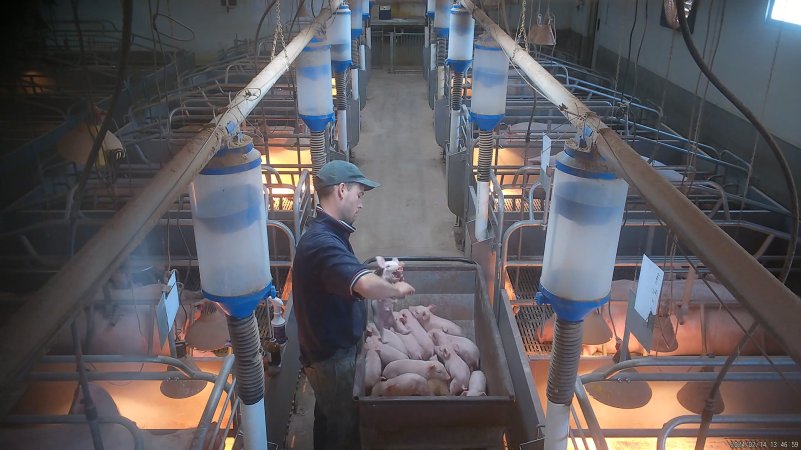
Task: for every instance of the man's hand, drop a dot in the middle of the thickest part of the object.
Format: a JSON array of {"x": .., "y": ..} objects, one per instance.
[
  {"x": 373, "y": 286},
  {"x": 403, "y": 289}
]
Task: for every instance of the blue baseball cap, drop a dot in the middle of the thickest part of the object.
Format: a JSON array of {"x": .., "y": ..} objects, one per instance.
[{"x": 335, "y": 172}]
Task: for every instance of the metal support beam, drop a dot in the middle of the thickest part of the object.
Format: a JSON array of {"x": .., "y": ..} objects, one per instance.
[
  {"x": 45, "y": 312},
  {"x": 766, "y": 298}
]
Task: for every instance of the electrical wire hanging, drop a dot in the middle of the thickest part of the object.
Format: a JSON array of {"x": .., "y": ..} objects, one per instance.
[
  {"x": 774, "y": 147},
  {"x": 127, "y": 9}
]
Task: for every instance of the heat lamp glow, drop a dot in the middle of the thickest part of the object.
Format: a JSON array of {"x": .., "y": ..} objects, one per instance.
[{"x": 505, "y": 157}]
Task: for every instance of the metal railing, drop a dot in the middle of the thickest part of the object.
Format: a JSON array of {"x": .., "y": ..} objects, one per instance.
[
  {"x": 179, "y": 371},
  {"x": 598, "y": 434}
]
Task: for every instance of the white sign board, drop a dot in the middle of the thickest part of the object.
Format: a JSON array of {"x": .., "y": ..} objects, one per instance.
[
  {"x": 167, "y": 308},
  {"x": 545, "y": 156},
  {"x": 648, "y": 288}
]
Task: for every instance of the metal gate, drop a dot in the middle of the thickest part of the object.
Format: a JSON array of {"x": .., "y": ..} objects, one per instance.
[{"x": 396, "y": 49}]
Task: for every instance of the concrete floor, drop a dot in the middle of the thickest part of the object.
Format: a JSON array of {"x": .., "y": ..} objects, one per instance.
[{"x": 408, "y": 215}]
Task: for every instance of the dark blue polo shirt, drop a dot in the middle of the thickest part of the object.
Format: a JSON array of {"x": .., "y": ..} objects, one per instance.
[{"x": 330, "y": 315}]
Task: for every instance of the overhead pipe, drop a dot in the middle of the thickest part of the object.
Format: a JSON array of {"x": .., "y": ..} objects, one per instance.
[
  {"x": 46, "y": 311},
  {"x": 765, "y": 297}
]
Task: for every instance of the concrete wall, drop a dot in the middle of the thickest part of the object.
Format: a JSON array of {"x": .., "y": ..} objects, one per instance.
[
  {"x": 213, "y": 27},
  {"x": 743, "y": 61}
]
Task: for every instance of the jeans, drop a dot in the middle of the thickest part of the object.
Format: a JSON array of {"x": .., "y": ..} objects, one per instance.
[{"x": 336, "y": 416}]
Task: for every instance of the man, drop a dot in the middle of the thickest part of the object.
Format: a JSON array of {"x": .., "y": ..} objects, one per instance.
[{"x": 329, "y": 285}]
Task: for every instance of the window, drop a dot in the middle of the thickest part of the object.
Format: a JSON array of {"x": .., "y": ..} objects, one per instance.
[{"x": 786, "y": 11}]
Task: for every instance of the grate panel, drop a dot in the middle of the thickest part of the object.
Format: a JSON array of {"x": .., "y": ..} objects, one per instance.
[
  {"x": 282, "y": 204},
  {"x": 529, "y": 318},
  {"x": 524, "y": 282},
  {"x": 514, "y": 204}
]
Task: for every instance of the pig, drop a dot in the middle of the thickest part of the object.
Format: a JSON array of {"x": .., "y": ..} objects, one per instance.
[
  {"x": 426, "y": 369},
  {"x": 722, "y": 333},
  {"x": 391, "y": 271},
  {"x": 371, "y": 343},
  {"x": 121, "y": 334},
  {"x": 477, "y": 385},
  {"x": 419, "y": 333},
  {"x": 400, "y": 325},
  {"x": 383, "y": 315},
  {"x": 403, "y": 385},
  {"x": 123, "y": 331},
  {"x": 430, "y": 321},
  {"x": 104, "y": 404},
  {"x": 393, "y": 339},
  {"x": 457, "y": 368},
  {"x": 438, "y": 387},
  {"x": 372, "y": 370},
  {"x": 388, "y": 353},
  {"x": 371, "y": 329},
  {"x": 463, "y": 346},
  {"x": 413, "y": 347}
]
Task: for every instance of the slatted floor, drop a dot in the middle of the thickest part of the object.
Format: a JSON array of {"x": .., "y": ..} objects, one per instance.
[
  {"x": 524, "y": 282},
  {"x": 281, "y": 204},
  {"x": 514, "y": 204},
  {"x": 528, "y": 316}
]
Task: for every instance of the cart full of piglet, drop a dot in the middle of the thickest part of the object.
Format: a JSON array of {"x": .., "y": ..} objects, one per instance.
[{"x": 416, "y": 352}]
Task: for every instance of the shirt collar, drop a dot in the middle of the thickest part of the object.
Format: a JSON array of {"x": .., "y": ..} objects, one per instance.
[{"x": 325, "y": 218}]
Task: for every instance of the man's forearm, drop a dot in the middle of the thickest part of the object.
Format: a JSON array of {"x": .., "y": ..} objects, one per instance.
[{"x": 373, "y": 286}]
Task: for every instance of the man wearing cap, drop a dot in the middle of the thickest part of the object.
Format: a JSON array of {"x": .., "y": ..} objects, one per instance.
[{"x": 329, "y": 286}]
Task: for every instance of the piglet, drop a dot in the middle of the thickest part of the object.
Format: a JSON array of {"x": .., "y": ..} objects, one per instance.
[
  {"x": 393, "y": 339},
  {"x": 371, "y": 343},
  {"x": 372, "y": 370},
  {"x": 438, "y": 387},
  {"x": 388, "y": 353},
  {"x": 382, "y": 314},
  {"x": 427, "y": 369},
  {"x": 419, "y": 333},
  {"x": 477, "y": 385},
  {"x": 430, "y": 321},
  {"x": 392, "y": 272},
  {"x": 400, "y": 325},
  {"x": 413, "y": 347},
  {"x": 403, "y": 385},
  {"x": 463, "y": 346},
  {"x": 457, "y": 368}
]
